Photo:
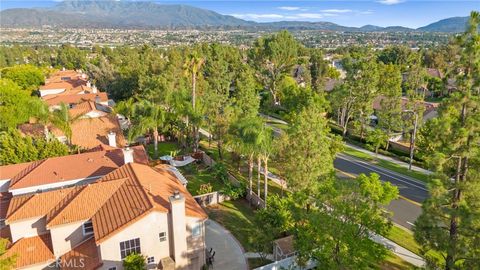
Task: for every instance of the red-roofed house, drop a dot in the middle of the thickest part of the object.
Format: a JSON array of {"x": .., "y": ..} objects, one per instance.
[{"x": 134, "y": 208}]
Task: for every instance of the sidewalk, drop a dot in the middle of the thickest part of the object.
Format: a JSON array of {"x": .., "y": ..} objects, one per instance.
[
  {"x": 390, "y": 159},
  {"x": 401, "y": 252}
]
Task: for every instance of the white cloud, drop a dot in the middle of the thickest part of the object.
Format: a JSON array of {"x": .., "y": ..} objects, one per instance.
[
  {"x": 289, "y": 8},
  {"x": 308, "y": 16},
  {"x": 390, "y": 2},
  {"x": 337, "y": 10},
  {"x": 253, "y": 16}
]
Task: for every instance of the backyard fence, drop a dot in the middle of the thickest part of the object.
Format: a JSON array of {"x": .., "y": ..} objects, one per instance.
[
  {"x": 211, "y": 198},
  {"x": 255, "y": 200}
]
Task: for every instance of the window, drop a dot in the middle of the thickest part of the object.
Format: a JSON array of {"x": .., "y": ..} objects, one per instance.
[
  {"x": 151, "y": 260},
  {"x": 130, "y": 246},
  {"x": 196, "y": 230},
  {"x": 162, "y": 236},
  {"x": 112, "y": 268},
  {"x": 87, "y": 228}
]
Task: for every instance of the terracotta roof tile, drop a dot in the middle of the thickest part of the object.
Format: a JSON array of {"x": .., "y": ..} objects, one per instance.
[
  {"x": 32, "y": 250},
  {"x": 74, "y": 99},
  {"x": 146, "y": 189},
  {"x": 36, "y": 205},
  {"x": 86, "y": 252},
  {"x": 84, "y": 204},
  {"x": 90, "y": 132},
  {"x": 71, "y": 167},
  {"x": 9, "y": 171},
  {"x": 5, "y": 198}
]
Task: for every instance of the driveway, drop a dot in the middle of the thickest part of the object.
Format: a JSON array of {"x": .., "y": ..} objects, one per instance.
[{"x": 228, "y": 252}]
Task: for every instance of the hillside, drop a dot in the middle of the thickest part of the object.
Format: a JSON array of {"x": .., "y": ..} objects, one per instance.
[{"x": 149, "y": 15}]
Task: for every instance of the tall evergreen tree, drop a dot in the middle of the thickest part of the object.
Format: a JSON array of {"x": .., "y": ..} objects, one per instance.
[{"x": 450, "y": 219}]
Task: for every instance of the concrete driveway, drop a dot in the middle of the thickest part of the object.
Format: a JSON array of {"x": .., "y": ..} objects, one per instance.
[{"x": 228, "y": 251}]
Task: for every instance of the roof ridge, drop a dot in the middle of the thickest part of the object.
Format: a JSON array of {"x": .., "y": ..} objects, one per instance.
[
  {"x": 53, "y": 213},
  {"x": 150, "y": 199},
  {"x": 23, "y": 173},
  {"x": 30, "y": 196},
  {"x": 80, "y": 191}
]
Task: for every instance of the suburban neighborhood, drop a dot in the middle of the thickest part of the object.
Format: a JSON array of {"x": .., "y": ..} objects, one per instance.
[{"x": 143, "y": 135}]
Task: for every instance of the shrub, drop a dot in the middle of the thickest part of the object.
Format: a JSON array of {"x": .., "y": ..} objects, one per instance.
[
  {"x": 134, "y": 261},
  {"x": 205, "y": 188},
  {"x": 220, "y": 172},
  {"x": 234, "y": 192}
]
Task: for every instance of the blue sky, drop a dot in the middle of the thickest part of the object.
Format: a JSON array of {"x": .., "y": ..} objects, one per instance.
[{"x": 409, "y": 13}]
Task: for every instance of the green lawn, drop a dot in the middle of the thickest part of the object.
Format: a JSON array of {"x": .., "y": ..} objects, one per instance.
[
  {"x": 405, "y": 239},
  {"x": 393, "y": 262},
  {"x": 164, "y": 148},
  {"x": 386, "y": 164},
  {"x": 237, "y": 217},
  {"x": 198, "y": 175}
]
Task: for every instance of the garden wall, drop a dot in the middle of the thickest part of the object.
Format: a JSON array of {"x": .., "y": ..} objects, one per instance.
[
  {"x": 255, "y": 200},
  {"x": 211, "y": 198}
]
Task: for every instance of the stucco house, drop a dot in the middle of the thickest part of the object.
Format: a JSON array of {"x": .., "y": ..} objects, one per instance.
[{"x": 124, "y": 206}]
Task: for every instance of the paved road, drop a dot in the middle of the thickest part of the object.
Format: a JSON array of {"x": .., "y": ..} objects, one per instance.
[{"x": 412, "y": 192}]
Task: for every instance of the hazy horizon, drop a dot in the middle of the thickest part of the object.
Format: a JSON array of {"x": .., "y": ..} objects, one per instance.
[{"x": 407, "y": 13}]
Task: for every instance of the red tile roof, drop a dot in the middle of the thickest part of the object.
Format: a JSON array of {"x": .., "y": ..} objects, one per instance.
[
  {"x": 84, "y": 204},
  {"x": 85, "y": 254},
  {"x": 31, "y": 250},
  {"x": 74, "y": 99},
  {"x": 145, "y": 190},
  {"x": 90, "y": 132},
  {"x": 72, "y": 167},
  {"x": 38, "y": 204}
]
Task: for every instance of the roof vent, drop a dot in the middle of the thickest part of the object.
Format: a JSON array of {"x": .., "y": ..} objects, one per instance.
[
  {"x": 176, "y": 194},
  {"x": 90, "y": 159}
]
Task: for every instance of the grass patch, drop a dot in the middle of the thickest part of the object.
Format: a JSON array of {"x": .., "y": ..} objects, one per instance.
[
  {"x": 164, "y": 148},
  {"x": 393, "y": 262},
  {"x": 405, "y": 239},
  {"x": 198, "y": 175},
  {"x": 237, "y": 217},
  {"x": 257, "y": 262},
  {"x": 386, "y": 164}
]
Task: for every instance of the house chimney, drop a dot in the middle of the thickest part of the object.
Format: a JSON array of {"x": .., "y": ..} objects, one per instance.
[
  {"x": 94, "y": 89},
  {"x": 179, "y": 229},
  {"x": 89, "y": 84},
  {"x": 127, "y": 155},
  {"x": 112, "y": 140}
]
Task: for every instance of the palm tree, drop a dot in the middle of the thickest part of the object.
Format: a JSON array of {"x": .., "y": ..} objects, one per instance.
[
  {"x": 192, "y": 68},
  {"x": 152, "y": 118},
  {"x": 245, "y": 139},
  {"x": 265, "y": 151},
  {"x": 63, "y": 120}
]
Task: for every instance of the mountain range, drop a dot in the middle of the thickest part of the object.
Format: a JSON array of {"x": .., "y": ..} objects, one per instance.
[{"x": 150, "y": 15}]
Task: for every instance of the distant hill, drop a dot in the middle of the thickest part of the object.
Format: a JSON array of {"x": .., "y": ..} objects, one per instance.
[
  {"x": 451, "y": 25},
  {"x": 149, "y": 15}
]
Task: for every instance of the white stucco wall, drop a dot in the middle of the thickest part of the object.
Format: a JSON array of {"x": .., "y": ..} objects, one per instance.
[
  {"x": 147, "y": 229},
  {"x": 67, "y": 236},
  {"x": 27, "y": 228},
  {"x": 51, "y": 92}
]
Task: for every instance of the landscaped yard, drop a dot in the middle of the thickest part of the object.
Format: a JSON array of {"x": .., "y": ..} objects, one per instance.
[
  {"x": 237, "y": 217},
  {"x": 198, "y": 175},
  {"x": 385, "y": 164},
  {"x": 164, "y": 148}
]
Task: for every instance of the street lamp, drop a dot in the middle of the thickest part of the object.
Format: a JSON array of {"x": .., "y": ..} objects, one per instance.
[{"x": 412, "y": 138}]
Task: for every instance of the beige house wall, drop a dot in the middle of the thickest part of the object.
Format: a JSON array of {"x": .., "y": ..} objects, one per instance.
[
  {"x": 147, "y": 229},
  {"x": 27, "y": 228},
  {"x": 67, "y": 236}
]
